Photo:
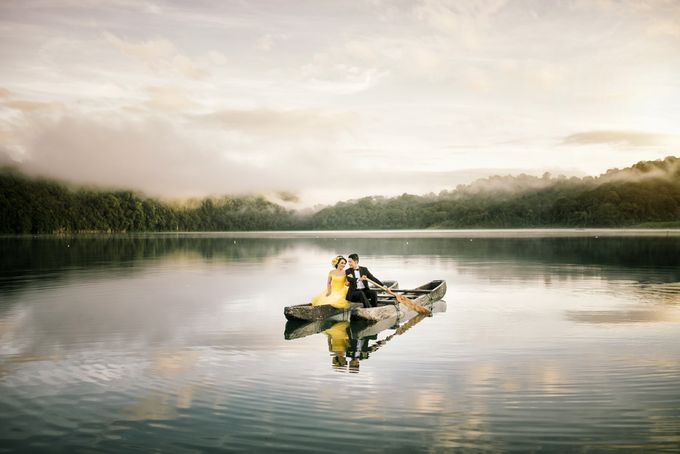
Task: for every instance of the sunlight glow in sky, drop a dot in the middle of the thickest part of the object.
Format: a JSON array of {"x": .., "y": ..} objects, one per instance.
[{"x": 332, "y": 100}]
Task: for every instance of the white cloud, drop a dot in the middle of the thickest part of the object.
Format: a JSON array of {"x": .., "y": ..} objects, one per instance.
[
  {"x": 467, "y": 22},
  {"x": 267, "y": 41},
  {"x": 161, "y": 157},
  {"x": 276, "y": 93},
  {"x": 217, "y": 58},
  {"x": 291, "y": 123},
  {"x": 624, "y": 138},
  {"x": 169, "y": 99},
  {"x": 158, "y": 55}
]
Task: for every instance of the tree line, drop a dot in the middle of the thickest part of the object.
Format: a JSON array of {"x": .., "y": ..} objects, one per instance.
[
  {"x": 647, "y": 194},
  {"x": 30, "y": 205}
]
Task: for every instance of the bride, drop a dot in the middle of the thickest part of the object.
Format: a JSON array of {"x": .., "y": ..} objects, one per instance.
[{"x": 336, "y": 291}]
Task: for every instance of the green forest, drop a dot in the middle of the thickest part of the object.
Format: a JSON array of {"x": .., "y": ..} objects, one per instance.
[
  {"x": 30, "y": 205},
  {"x": 644, "y": 195}
]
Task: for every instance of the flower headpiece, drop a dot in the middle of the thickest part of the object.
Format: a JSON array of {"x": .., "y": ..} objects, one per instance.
[{"x": 336, "y": 260}]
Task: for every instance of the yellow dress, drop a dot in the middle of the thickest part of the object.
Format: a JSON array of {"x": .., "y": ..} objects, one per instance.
[
  {"x": 338, "y": 339},
  {"x": 338, "y": 295}
]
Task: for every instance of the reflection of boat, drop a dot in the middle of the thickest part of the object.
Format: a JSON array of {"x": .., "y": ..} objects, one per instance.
[
  {"x": 364, "y": 328},
  {"x": 400, "y": 327},
  {"x": 295, "y": 329},
  {"x": 388, "y": 307},
  {"x": 322, "y": 312},
  {"x": 350, "y": 343}
]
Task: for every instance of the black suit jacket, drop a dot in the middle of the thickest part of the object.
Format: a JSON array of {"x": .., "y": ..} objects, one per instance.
[{"x": 363, "y": 271}]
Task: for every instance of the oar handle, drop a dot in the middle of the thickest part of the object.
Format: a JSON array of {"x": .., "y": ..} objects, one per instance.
[
  {"x": 381, "y": 286},
  {"x": 403, "y": 300}
]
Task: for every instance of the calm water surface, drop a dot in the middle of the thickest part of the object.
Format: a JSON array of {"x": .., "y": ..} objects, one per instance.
[{"x": 177, "y": 343}]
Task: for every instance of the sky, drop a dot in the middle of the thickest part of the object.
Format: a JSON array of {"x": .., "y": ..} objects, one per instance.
[{"x": 312, "y": 102}]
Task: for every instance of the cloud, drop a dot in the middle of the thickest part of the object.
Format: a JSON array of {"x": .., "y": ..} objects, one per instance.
[
  {"x": 8, "y": 100},
  {"x": 24, "y": 105},
  {"x": 159, "y": 55},
  {"x": 669, "y": 28},
  {"x": 625, "y": 138},
  {"x": 289, "y": 123},
  {"x": 329, "y": 82},
  {"x": 217, "y": 58},
  {"x": 169, "y": 99},
  {"x": 466, "y": 21},
  {"x": 160, "y": 157},
  {"x": 149, "y": 51},
  {"x": 113, "y": 151},
  {"x": 266, "y": 42},
  {"x": 326, "y": 74}
]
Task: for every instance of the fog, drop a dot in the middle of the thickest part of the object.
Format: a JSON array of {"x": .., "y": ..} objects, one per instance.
[{"x": 330, "y": 101}]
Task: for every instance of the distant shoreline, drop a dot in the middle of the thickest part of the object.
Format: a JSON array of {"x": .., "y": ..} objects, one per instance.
[
  {"x": 407, "y": 233},
  {"x": 644, "y": 196}
]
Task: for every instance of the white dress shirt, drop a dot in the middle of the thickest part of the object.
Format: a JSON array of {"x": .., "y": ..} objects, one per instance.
[{"x": 360, "y": 283}]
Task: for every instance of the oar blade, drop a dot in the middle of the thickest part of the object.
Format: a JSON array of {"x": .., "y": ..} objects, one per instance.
[{"x": 413, "y": 305}]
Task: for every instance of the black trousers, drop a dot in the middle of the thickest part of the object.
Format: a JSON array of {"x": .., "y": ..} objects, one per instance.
[{"x": 369, "y": 298}]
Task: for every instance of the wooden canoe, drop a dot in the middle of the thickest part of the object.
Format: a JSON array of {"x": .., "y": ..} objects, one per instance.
[
  {"x": 364, "y": 328},
  {"x": 310, "y": 313},
  {"x": 296, "y": 329},
  {"x": 388, "y": 307}
]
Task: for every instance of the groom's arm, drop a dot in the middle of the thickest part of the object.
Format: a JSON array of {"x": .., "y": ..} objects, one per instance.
[{"x": 373, "y": 278}]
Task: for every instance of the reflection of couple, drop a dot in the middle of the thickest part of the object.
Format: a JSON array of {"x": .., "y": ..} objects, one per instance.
[
  {"x": 350, "y": 285},
  {"x": 343, "y": 344}
]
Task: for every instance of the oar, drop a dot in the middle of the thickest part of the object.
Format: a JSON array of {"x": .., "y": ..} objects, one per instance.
[
  {"x": 414, "y": 291},
  {"x": 403, "y": 300}
]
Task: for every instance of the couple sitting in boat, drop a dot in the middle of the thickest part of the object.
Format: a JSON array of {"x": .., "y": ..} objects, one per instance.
[{"x": 350, "y": 285}]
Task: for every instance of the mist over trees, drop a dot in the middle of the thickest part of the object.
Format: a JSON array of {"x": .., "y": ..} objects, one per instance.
[
  {"x": 646, "y": 194},
  {"x": 41, "y": 206}
]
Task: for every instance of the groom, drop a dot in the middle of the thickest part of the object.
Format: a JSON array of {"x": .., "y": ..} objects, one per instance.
[{"x": 357, "y": 276}]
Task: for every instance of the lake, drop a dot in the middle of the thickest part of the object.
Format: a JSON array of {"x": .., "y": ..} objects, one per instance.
[{"x": 545, "y": 341}]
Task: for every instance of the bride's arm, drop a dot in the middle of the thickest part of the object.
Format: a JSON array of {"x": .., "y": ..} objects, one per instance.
[{"x": 328, "y": 286}]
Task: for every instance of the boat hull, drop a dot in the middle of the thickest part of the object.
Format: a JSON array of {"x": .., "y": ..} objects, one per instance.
[
  {"x": 307, "y": 312},
  {"x": 436, "y": 291},
  {"x": 365, "y": 328},
  {"x": 297, "y": 329}
]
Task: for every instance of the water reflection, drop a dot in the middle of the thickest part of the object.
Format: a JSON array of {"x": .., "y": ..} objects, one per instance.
[
  {"x": 623, "y": 316},
  {"x": 350, "y": 343},
  {"x": 171, "y": 343},
  {"x": 27, "y": 260}
]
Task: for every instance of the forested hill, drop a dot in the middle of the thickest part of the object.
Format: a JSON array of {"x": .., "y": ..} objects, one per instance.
[
  {"x": 30, "y": 205},
  {"x": 646, "y": 194}
]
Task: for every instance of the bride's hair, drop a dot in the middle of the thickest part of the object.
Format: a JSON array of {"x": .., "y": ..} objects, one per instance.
[{"x": 336, "y": 260}]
